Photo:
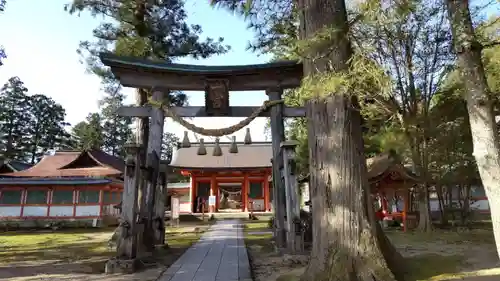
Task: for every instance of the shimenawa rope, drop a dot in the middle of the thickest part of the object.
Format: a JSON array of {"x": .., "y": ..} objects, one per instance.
[{"x": 215, "y": 132}]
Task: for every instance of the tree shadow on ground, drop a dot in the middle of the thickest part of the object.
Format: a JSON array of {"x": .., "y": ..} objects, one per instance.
[
  {"x": 423, "y": 264},
  {"x": 34, "y": 256}
]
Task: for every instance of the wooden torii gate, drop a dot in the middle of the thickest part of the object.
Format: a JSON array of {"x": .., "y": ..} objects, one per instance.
[{"x": 139, "y": 215}]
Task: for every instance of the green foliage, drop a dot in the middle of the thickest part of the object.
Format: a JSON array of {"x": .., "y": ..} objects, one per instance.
[
  {"x": 298, "y": 132},
  {"x": 14, "y": 103},
  {"x": 274, "y": 22},
  {"x": 402, "y": 72},
  {"x": 3, "y": 3},
  {"x": 364, "y": 79},
  {"x": 88, "y": 134},
  {"x": 168, "y": 144},
  {"x": 115, "y": 129},
  {"x": 46, "y": 128},
  {"x": 489, "y": 36},
  {"x": 29, "y": 125},
  {"x": 142, "y": 28}
]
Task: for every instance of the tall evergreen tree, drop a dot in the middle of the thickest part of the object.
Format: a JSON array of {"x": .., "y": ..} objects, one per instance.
[
  {"x": 146, "y": 29},
  {"x": 46, "y": 126},
  {"x": 88, "y": 134},
  {"x": 2, "y": 51},
  {"x": 142, "y": 28},
  {"x": 169, "y": 143},
  {"x": 14, "y": 119},
  {"x": 115, "y": 129}
]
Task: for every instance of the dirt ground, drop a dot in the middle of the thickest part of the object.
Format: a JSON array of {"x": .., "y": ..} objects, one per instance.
[
  {"x": 80, "y": 255},
  {"x": 442, "y": 255}
]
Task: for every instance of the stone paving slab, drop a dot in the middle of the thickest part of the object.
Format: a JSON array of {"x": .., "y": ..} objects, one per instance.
[{"x": 219, "y": 255}]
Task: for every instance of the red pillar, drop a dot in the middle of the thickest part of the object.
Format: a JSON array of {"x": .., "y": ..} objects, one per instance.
[
  {"x": 213, "y": 190},
  {"x": 193, "y": 193},
  {"x": 266, "y": 192},
  {"x": 405, "y": 209},
  {"x": 244, "y": 193}
]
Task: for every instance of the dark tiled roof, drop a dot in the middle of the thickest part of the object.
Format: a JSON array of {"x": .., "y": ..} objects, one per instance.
[
  {"x": 255, "y": 155},
  {"x": 54, "y": 181},
  {"x": 386, "y": 163},
  {"x": 54, "y": 165},
  {"x": 18, "y": 165},
  {"x": 123, "y": 61},
  {"x": 105, "y": 159}
]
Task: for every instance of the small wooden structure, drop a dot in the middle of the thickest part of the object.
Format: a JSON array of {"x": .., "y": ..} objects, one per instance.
[
  {"x": 66, "y": 187},
  {"x": 391, "y": 182}
]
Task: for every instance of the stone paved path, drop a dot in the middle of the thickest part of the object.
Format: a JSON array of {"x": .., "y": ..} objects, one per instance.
[{"x": 219, "y": 255}]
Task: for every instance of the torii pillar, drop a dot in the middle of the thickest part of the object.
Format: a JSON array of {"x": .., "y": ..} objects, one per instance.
[{"x": 278, "y": 136}]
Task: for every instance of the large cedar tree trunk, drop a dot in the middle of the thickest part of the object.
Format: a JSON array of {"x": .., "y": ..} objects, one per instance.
[
  {"x": 479, "y": 106},
  {"x": 348, "y": 244}
]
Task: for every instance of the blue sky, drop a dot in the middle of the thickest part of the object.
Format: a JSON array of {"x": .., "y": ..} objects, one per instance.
[{"x": 41, "y": 40}]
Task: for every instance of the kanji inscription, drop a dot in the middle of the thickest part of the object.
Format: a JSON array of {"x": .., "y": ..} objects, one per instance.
[{"x": 217, "y": 97}]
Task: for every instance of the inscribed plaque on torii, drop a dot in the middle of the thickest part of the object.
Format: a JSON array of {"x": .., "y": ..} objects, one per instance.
[{"x": 217, "y": 97}]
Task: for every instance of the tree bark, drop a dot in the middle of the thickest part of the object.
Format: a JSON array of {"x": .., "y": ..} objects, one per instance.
[
  {"x": 425, "y": 221},
  {"x": 420, "y": 165},
  {"x": 442, "y": 211},
  {"x": 142, "y": 139},
  {"x": 348, "y": 243},
  {"x": 479, "y": 106}
]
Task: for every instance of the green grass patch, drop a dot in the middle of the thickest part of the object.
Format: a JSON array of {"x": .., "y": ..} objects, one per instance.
[
  {"x": 73, "y": 245},
  {"x": 67, "y": 245},
  {"x": 257, "y": 226},
  {"x": 476, "y": 236},
  {"x": 181, "y": 240},
  {"x": 256, "y": 241},
  {"x": 427, "y": 267},
  {"x": 489, "y": 274}
]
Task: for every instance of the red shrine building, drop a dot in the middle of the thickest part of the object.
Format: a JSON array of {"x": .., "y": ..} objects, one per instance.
[
  {"x": 67, "y": 186},
  {"x": 236, "y": 175}
]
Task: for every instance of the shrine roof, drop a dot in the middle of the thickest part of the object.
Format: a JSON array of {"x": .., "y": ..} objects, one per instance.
[
  {"x": 94, "y": 163},
  {"x": 139, "y": 72},
  {"x": 254, "y": 155},
  {"x": 380, "y": 166},
  {"x": 386, "y": 163},
  {"x": 8, "y": 165}
]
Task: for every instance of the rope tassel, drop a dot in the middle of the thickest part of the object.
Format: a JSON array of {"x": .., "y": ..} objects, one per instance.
[
  {"x": 201, "y": 149},
  {"x": 185, "y": 141},
  {"x": 217, "y": 149},
  {"x": 233, "y": 148}
]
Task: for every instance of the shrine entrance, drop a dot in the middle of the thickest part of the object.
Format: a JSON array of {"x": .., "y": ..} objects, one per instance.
[
  {"x": 143, "y": 219},
  {"x": 230, "y": 195}
]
